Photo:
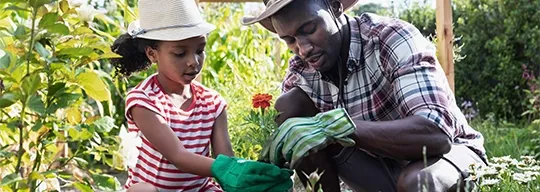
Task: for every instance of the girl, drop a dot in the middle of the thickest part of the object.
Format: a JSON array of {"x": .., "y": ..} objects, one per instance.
[{"x": 176, "y": 118}]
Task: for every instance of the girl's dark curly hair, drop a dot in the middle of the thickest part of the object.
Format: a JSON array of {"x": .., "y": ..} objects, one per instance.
[{"x": 133, "y": 54}]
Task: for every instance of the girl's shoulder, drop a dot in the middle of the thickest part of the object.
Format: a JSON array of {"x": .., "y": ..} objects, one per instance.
[
  {"x": 209, "y": 97},
  {"x": 204, "y": 91},
  {"x": 147, "y": 85}
]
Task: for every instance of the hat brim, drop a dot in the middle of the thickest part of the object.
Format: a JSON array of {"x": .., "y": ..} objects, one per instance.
[
  {"x": 174, "y": 34},
  {"x": 266, "y": 22}
]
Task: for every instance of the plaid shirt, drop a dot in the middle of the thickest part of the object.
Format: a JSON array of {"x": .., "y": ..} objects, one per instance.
[{"x": 397, "y": 76}]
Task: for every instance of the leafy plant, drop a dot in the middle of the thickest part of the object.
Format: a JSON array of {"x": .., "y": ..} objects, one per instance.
[
  {"x": 260, "y": 121},
  {"x": 53, "y": 97}
]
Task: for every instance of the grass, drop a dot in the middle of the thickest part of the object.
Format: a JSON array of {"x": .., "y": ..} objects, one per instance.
[
  {"x": 509, "y": 148},
  {"x": 513, "y": 141}
]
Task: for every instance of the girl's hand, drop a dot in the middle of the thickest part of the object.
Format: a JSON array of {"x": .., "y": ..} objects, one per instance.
[{"x": 237, "y": 174}]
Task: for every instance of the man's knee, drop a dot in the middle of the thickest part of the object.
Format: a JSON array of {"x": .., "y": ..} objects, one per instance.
[
  {"x": 438, "y": 175},
  {"x": 416, "y": 180}
]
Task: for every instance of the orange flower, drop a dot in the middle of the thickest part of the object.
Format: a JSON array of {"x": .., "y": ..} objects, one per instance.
[{"x": 261, "y": 100}]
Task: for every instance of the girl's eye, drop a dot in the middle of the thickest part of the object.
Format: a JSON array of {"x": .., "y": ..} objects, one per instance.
[
  {"x": 200, "y": 52},
  {"x": 179, "y": 54}
]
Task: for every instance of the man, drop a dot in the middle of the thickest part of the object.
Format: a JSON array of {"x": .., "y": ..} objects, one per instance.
[{"x": 400, "y": 129}]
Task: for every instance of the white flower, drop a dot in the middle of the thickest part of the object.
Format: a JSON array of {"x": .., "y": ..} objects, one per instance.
[
  {"x": 523, "y": 177},
  {"x": 111, "y": 7},
  {"x": 86, "y": 13},
  {"x": 129, "y": 141},
  {"x": 485, "y": 171},
  {"x": 489, "y": 182},
  {"x": 77, "y": 3}
]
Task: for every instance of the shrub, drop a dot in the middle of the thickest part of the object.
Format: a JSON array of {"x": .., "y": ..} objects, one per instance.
[{"x": 499, "y": 37}]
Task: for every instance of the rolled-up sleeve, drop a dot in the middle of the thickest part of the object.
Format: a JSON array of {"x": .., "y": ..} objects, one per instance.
[{"x": 419, "y": 82}]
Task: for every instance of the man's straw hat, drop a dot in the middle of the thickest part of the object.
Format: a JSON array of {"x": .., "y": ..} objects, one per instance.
[
  {"x": 273, "y": 6},
  {"x": 169, "y": 20}
]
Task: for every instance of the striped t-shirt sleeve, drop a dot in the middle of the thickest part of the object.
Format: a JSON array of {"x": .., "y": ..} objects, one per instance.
[
  {"x": 140, "y": 99},
  {"x": 220, "y": 105}
]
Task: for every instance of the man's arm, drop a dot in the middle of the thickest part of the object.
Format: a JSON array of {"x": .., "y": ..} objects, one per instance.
[
  {"x": 401, "y": 139},
  {"x": 423, "y": 95}
]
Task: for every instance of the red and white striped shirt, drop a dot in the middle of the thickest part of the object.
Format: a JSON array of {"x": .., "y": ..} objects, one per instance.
[{"x": 193, "y": 127}]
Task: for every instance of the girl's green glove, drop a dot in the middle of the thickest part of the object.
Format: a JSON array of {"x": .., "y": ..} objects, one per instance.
[{"x": 237, "y": 174}]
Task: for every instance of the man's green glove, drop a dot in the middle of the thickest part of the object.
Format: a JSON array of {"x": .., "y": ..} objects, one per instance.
[
  {"x": 298, "y": 136},
  {"x": 237, "y": 174}
]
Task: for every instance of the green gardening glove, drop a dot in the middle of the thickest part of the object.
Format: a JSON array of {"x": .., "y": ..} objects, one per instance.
[
  {"x": 298, "y": 136},
  {"x": 237, "y": 174}
]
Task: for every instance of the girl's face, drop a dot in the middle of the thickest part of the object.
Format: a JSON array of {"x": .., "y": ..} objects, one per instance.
[{"x": 180, "y": 61}]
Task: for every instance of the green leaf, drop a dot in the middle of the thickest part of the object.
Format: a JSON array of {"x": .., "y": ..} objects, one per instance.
[
  {"x": 4, "y": 59},
  {"x": 5, "y": 154},
  {"x": 104, "y": 125},
  {"x": 81, "y": 161},
  {"x": 41, "y": 50},
  {"x": 31, "y": 83},
  {"x": 58, "y": 28},
  {"x": 37, "y": 126},
  {"x": 109, "y": 55},
  {"x": 64, "y": 6},
  {"x": 7, "y": 99},
  {"x": 83, "y": 187},
  {"x": 20, "y": 32},
  {"x": 63, "y": 101},
  {"x": 106, "y": 182},
  {"x": 36, "y": 176},
  {"x": 15, "y": 8},
  {"x": 65, "y": 175},
  {"x": 49, "y": 174},
  {"x": 38, "y": 3},
  {"x": 93, "y": 86},
  {"x": 53, "y": 89},
  {"x": 48, "y": 19},
  {"x": 11, "y": 178},
  {"x": 74, "y": 134},
  {"x": 74, "y": 52},
  {"x": 83, "y": 133},
  {"x": 82, "y": 31},
  {"x": 36, "y": 104}
]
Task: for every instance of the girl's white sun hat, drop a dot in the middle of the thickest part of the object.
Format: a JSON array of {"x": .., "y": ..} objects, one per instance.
[{"x": 169, "y": 20}]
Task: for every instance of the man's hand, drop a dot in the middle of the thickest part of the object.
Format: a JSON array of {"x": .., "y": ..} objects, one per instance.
[{"x": 299, "y": 136}]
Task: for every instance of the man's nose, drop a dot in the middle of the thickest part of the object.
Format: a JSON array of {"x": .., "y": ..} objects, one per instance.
[{"x": 304, "y": 48}]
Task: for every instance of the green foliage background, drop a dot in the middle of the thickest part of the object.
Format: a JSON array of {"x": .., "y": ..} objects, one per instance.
[
  {"x": 497, "y": 38},
  {"x": 58, "y": 89}
]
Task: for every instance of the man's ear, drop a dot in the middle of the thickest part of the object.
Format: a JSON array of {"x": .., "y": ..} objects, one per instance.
[
  {"x": 151, "y": 53},
  {"x": 337, "y": 7}
]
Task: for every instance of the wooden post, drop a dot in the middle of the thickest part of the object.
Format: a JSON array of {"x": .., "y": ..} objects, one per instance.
[{"x": 445, "y": 38}]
